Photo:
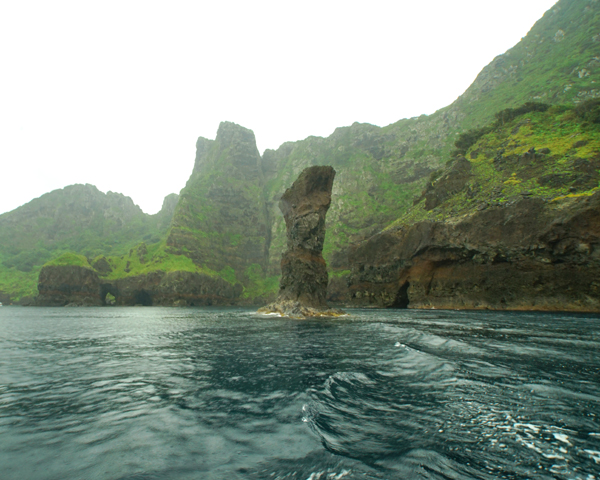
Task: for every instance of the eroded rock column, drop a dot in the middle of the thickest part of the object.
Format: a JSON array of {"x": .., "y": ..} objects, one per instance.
[{"x": 303, "y": 285}]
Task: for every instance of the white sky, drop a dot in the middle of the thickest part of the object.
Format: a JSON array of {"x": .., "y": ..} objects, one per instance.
[{"x": 115, "y": 93}]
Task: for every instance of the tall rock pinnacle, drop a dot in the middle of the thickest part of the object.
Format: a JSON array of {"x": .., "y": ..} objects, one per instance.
[
  {"x": 303, "y": 285},
  {"x": 221, "y": 220}
]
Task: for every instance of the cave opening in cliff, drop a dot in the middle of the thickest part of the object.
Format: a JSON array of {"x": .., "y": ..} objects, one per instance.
[
  {"x": 142, "y": 297},
  {"x": 401, "y": 300}
]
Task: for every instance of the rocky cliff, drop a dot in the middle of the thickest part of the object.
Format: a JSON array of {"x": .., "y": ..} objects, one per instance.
[
  {"x": 530, "y": 255},
  {"x": 178, "y": 288},
  {"x": 68, "y": 285},
  {"x": 71, "y": 280},
  {"x": 514, "y": 225}
]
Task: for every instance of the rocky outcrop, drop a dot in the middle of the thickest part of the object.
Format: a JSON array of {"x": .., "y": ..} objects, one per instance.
[
  {"x": 80, "y": 286},
  {"x": 68, "y": 285},
  {"x": 177, "y": 288},
  {"x": 303, "y": 285},
  {"x": 531, "y": 255}
]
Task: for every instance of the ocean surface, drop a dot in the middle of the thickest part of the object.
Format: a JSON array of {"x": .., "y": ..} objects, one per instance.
[{"x": 223, "y": 393}]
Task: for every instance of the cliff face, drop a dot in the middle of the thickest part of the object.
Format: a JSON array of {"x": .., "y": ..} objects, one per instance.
[
  {"x": 61, "y": 285},
  {"x": 513, "y": 225},
  {"x": 177, "y": 288},
  {"x": 221, "y": 219},
  {"x": 530, "y": 255}
]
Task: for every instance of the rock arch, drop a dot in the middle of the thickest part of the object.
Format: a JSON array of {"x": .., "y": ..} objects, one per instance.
[{"x": 107, "y": 288}]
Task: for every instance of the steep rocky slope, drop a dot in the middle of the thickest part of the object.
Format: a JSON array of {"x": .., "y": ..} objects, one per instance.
[
  {"x": 221, "y": 220},
  {"x": 514, "y": 225},
  {"x": 72, "y": 280}
]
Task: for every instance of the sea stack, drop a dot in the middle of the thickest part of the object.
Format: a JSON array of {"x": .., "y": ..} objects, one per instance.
[{"x": 303, "y": 285}]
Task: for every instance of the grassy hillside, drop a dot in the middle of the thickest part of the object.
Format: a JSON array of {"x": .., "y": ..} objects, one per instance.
[{"x": 557, "y": 62}]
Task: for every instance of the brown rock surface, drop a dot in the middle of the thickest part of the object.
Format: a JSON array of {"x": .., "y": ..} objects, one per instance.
[
  {"x": 79, "y": 286},
  {"x": 177, "y": 288},
  {"x": 303, "y": 285},
  {"x": 68, "y": 285},
  {"x": 532, "y": 255}
]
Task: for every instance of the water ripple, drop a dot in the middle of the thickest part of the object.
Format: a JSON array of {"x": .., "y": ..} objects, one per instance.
[{"x": 151, "y": 393}]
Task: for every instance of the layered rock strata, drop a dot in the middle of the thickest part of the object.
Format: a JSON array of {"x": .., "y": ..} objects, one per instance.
[
  {"x": 303, "y": 285},
  {"x": 533, "y": 255}
]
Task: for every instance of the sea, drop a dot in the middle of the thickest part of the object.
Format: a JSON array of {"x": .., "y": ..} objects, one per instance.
[{"x": 151, "y": 393}]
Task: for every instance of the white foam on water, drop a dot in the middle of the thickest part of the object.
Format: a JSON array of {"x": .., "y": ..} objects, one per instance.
[
  {"x": 328, "y": 476},
  {"x": 594, "y": 455},
  {"x": 561, "y": 437},
  {"x": 528, "y": 426}
]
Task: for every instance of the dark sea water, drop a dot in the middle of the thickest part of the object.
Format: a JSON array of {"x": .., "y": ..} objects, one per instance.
[{"x": 166, "y": 393}]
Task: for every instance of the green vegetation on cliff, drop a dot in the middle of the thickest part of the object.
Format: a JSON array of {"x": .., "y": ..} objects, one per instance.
[
  {"x": 69, "y": 259},
  {"x": 144, "y": 259},
  {"x": 557, "y": 62},
  {"x": 221, "y": 218},
  {"x": 374, "y": 184},
  {"x": 534, "y": 151}
]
